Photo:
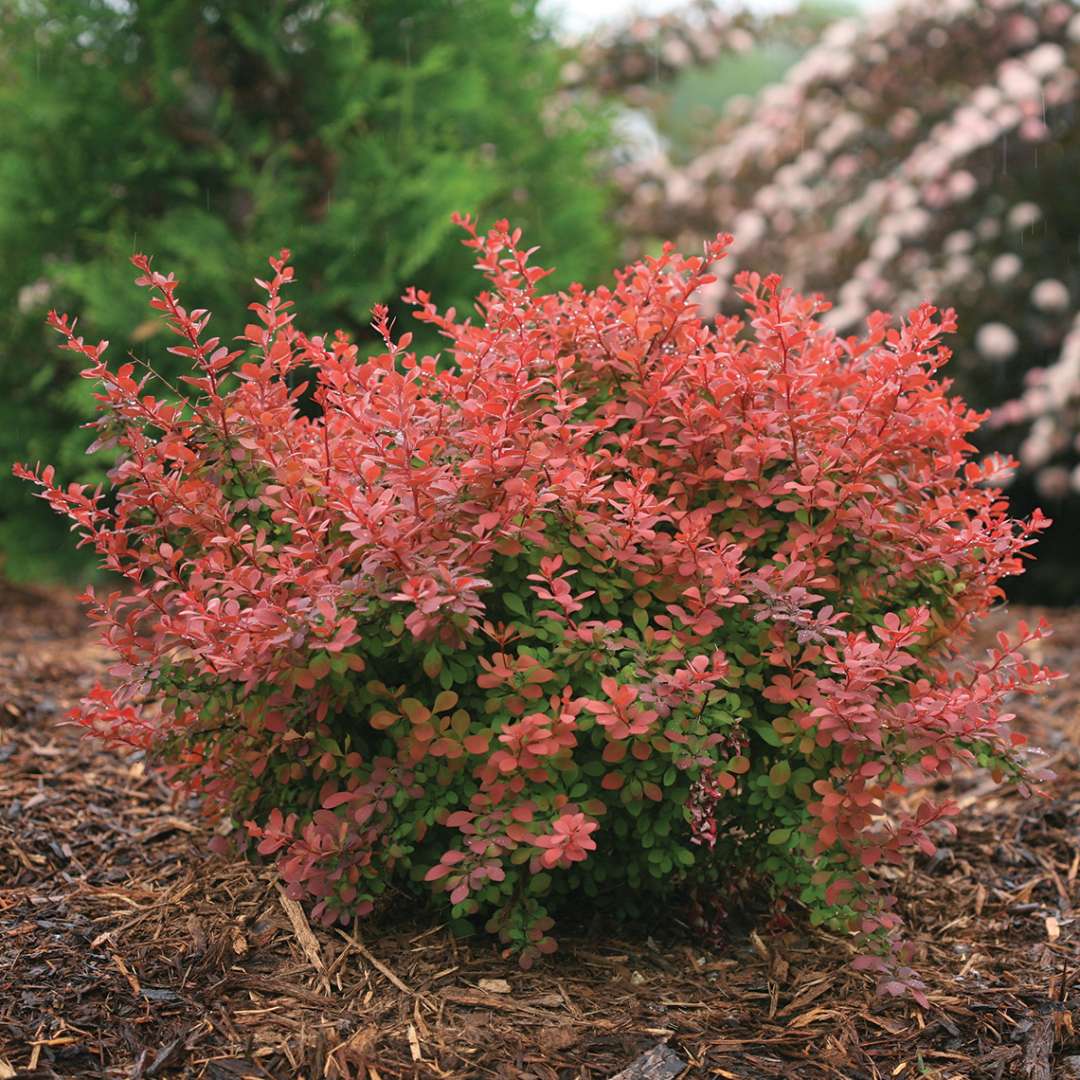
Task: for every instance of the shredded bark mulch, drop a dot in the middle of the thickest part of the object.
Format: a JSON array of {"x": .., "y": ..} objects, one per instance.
[{"x": 127, "y": 951}]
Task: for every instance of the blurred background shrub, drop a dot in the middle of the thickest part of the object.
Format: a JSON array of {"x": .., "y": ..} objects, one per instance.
[
  {"x": 681, "y": 67},
  {"x": 211, "y": 134},
  {"x": 925, "y": 150}
]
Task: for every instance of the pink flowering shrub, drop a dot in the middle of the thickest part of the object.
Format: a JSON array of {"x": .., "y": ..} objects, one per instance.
[
  {"x": 635, "y": 56},
  {"x": 600, "y": 606},
  {"x": 920, "y": 151}
]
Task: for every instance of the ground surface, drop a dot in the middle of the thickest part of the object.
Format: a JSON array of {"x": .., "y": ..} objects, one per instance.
[{"x": 126, "y": 951}]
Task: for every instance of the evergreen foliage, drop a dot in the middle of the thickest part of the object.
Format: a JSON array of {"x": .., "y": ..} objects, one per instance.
[{"x": 212, "y": 132}]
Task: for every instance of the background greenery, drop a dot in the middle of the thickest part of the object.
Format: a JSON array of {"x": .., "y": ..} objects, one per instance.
[{"x": 212, "y": 134}]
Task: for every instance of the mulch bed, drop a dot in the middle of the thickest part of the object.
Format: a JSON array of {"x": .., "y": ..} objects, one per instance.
[{"x": 127, "y": 951}]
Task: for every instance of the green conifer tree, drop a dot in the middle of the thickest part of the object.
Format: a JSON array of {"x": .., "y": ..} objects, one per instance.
[{"x": 211, "y": 133}]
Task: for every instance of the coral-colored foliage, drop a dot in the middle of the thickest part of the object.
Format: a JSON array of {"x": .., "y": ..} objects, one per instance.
[{"x": 598, "y": 603}]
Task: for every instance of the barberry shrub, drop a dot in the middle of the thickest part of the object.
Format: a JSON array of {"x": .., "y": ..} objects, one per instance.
[{"x": 600, "y": 603}]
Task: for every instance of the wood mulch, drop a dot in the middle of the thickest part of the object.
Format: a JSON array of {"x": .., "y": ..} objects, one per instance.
[{"x": 127, "y": 951}]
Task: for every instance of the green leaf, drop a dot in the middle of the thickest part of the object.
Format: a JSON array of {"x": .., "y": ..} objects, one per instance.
[
  {"x": 779, "y": 836},
  {"x": 767, "y": 732},
  {"x": 513, "y": 603},
  {"x": 539, "y": 883},
  {"x": 780, "y": 774},
  {"x": 433, "y": 662}
]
